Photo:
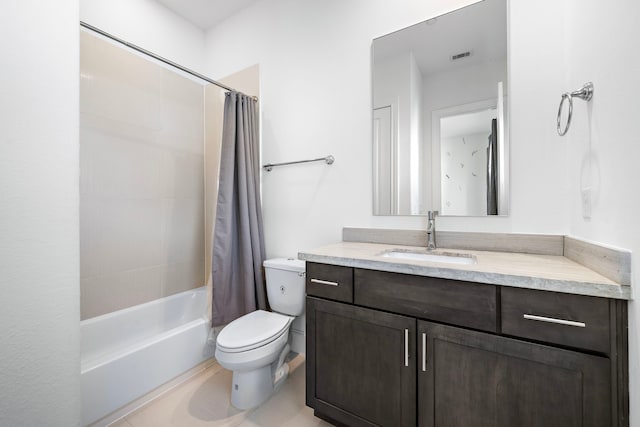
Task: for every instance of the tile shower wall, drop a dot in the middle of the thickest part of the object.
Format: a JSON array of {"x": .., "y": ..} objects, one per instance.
[
  {"x": 141, "y": 179},
  {"x": 213, "y": 110}
]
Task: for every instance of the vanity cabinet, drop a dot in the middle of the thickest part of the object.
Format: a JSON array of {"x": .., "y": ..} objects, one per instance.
[
  {"x": 472, "y": 305},
  {"x": 361, "y": 370},
  {"x": 475, "y": 379},
  {"x": 404, "y": 350}
]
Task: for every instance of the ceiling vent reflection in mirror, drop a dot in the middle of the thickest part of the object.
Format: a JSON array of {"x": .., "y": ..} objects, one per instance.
[{"x": 461, "y": 55}]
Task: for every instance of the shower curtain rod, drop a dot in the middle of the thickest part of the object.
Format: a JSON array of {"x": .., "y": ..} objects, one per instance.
[{"x": 158, "y": 57}]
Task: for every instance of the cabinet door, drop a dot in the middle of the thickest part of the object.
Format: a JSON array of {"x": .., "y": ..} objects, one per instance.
[
  {"x": 476, "y": 379},
  {"x": 361, "y": 365}
]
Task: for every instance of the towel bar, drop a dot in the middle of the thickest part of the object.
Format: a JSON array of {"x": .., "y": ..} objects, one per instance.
[{"x": 329, "y": 159}]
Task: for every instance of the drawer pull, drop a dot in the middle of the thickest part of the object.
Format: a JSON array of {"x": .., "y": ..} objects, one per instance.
[
  {"x": 406, "y": 347},
  {"x": 324, "y": 282},
  {"x": 553, "y": 320},
  {"x": 424, "y": 352}
]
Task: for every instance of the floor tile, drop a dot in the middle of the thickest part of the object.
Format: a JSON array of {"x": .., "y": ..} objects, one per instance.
[
  {"x": 205, "y": 400},
  {"x": 287, "y": 407}
]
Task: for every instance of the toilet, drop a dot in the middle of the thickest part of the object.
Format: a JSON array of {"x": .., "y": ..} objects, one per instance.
[{"x": 255, "y": 345}]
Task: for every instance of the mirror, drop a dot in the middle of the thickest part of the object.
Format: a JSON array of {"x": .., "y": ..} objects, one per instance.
[{"x": 440, "y": 131}]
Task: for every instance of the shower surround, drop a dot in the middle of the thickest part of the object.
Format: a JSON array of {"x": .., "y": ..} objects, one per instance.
[{"x": 142, "y": 136}]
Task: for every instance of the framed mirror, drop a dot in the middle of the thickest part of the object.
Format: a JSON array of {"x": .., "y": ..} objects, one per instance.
[{"x": 440, "y": 125}]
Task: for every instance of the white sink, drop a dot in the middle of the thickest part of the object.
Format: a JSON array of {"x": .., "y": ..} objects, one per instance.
[{"x": 434, "y": 256}]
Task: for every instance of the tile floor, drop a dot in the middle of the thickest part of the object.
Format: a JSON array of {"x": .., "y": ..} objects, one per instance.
[{"x": 205, "y": 400}]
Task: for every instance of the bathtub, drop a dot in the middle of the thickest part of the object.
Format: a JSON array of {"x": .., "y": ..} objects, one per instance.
[{"x": 130, "y": 352}]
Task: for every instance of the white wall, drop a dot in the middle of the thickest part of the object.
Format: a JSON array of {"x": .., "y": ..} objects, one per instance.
[
  {"x": 315, "y": 98},
  {"x": 150, "y": 25},
  {"x": 39, "y": 283},
  {"x": 603, "y": 143},
  {"x": 39, "y": 245},
  {"x": 315, "y": 95},
  {"x": 538, "y": 181}
]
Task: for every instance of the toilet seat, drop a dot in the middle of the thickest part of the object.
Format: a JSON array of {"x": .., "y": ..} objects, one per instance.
[{"x": 253, "y": 330}]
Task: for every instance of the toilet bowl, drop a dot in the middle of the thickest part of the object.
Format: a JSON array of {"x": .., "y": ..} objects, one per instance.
[{"x": 255, "y": 345}]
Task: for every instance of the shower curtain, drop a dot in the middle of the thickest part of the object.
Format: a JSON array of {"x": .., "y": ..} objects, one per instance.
[
  {"x": 238, "y": 240},
  {"x": 492, "y": 165}
]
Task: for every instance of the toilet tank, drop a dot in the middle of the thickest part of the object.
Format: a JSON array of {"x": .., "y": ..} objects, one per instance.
[{"x": 285, "y": 285}]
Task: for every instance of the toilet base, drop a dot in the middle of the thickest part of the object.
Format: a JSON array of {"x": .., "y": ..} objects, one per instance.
[{"x": 251, "y": 388}]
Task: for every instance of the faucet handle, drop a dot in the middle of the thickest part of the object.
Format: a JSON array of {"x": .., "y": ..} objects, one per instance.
[{"x": 432, "y": 214}]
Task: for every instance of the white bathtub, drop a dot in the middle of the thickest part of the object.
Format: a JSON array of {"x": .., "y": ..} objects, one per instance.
[{"x": 128, "y": 353}]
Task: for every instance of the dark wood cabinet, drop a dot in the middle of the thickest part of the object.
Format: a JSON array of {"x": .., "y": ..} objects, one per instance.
[
  {"x": 476, "y": 379},
  {"x": 330, "y": 281},
  {"x": 415, "y": 351},
  {"x": 361, "y": 368},
  {"x": 571, "y": 320},
  {"x": 467, "y": 304}
]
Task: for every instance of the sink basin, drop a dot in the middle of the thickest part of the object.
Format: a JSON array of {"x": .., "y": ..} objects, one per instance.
[{"x": 434, "y": 256}]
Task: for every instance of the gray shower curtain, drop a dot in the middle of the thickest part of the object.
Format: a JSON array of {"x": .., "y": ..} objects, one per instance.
[{"x": 238, "y": 240}]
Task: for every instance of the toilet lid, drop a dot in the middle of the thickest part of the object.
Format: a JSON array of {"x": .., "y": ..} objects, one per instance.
[{"x": 253, "y": 330}]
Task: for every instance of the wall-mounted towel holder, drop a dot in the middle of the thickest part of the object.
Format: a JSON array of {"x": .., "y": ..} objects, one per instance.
[
  {"x": 585, "y": 93},
  {"x": 329, "y": 159}
]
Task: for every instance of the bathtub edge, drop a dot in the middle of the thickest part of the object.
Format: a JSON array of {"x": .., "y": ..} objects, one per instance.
[{"x": 154, "y": 394}]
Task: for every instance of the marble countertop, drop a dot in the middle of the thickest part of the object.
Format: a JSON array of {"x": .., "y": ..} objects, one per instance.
[{"x": 543, "y": 272}]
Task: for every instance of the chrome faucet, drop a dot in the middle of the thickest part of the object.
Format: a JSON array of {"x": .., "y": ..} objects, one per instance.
[{"x": 431, "y": 230}]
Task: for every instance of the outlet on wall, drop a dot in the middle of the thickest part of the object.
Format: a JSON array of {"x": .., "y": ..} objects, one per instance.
[{"x": 586, "y": 203}]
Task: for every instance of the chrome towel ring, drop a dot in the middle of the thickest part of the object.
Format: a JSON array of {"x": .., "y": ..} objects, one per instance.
[{"x": 586, "y": 93}]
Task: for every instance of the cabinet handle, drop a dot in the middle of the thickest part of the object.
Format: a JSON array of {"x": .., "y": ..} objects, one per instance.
[
  {"x": 553, "y": 320},
  {"x": 424, "y": 352},
  {"x": 406, "y": 347},
  {"x": 324, "y": 282}
]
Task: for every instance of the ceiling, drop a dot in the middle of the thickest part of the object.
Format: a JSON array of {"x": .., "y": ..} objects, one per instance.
[
  {"x": 206, "y": 13},
  {"x": 479, "y": 29}
]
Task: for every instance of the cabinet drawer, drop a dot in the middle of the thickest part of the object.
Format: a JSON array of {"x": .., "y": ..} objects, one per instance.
[
  {"x": 449, "y": 301},
  {"x": 572, "y": 320},
  {"x": 330, "y": 281}
]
